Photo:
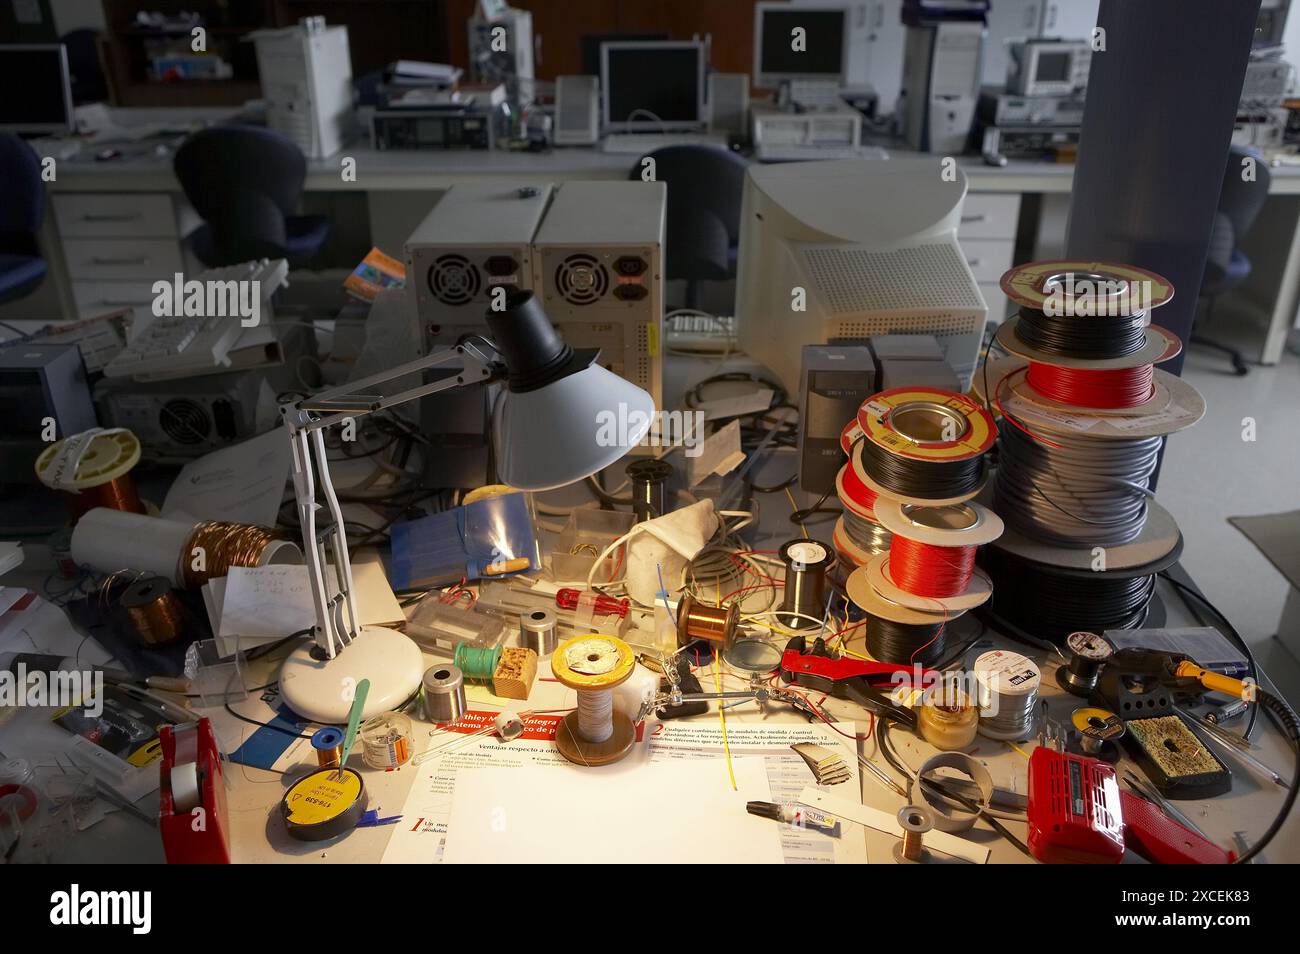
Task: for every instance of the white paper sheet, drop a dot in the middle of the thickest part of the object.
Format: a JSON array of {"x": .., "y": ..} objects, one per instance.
[
  {"x": 269, "y": 602},
  {"x": 574, "y": 815},
  {"x": 243, "y": 484}
]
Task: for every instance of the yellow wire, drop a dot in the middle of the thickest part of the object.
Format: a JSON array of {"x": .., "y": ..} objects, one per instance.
[
  {"x": 794, "y": 508},
  {"x": 722, "y": 716},
  {"x": 1018, "y": 749}
]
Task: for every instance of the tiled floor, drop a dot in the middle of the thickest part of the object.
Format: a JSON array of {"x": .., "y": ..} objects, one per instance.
[{"x": 1210, "y": 473}]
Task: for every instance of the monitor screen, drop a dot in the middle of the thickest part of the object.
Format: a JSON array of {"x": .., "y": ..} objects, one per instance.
[
  {"x": 649, "y": 84},
  {"x": 823, "y": 42},
  {"x": 35, "y": 84},
  {"x": 590, "y": 44},
  {"x": 1053, "y": 67}
]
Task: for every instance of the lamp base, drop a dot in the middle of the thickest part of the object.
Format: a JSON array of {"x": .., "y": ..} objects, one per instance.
[{"x": 322, "y": 690}]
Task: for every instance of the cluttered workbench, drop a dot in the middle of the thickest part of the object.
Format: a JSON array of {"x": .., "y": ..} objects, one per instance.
[{"x": 719, "y": 669}]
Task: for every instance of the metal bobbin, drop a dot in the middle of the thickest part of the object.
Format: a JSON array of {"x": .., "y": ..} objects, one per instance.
[
  {"x": 444, "y": 694},
  {"x": 806, "y": 562},
  {"x": 537, "y": 631},
  {"x": 1088, "y": 653},
  {"x": 915, "y": 820}
]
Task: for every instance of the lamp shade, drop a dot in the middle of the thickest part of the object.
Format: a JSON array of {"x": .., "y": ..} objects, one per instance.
[{"x": 568, "y": 429}]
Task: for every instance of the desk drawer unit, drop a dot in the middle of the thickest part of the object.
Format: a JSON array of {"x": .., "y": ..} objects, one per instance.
[
  {"x": 116, "y": 246},
  {"x": 987, "y": 235},
  {"x": 114, "y": 259}
]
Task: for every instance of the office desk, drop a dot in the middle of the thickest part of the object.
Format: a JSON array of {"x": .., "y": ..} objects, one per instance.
[{"x": 398, "y": 188}]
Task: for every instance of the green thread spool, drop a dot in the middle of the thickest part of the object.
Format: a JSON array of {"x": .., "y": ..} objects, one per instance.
[{"x": 477, "y": 663}]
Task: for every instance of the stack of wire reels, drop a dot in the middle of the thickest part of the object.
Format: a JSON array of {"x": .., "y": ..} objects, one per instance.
[
  {"x": 1084, "y": 412},
  {"x": 920, "y": 460},
  {"x": 858, "y": 535}
]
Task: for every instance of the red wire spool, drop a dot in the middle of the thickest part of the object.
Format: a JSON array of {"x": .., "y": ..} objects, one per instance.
[
  {"x": 926, "y": 570},
  {"x": 857, "y": 491},
  {"x": 1115, "y": 388}
]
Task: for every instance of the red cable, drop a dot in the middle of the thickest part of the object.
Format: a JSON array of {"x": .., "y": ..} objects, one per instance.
[
  {"x": 1118, "y": 387},
  {"x": 857, "y": 491},
  {"x": 925, "y": 570}
]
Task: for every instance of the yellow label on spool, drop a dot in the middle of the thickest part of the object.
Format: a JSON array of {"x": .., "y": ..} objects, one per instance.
[
  {"x": 322, "y": 797},
  {"x": 882, "y": 419}
]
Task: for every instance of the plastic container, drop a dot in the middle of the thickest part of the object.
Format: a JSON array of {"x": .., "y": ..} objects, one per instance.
[
  {"x": 215, "y": 680},
  {"x": 444, "y": 626},
  {"x": 585, "y": 536}
]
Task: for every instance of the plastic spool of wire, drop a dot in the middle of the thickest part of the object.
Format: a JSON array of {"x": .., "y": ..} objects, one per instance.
[
  {"x": 931, "y": 563},
  {"x": 593, "y": 665},
  {"x": 93, "y": 471},
  {"x": 444, "y": 694},
  {"x": 537, "y": 629},
  {"x": 858, "y": 535},
  {"x": 328, "y": 745},
  {"x": 713, "y": 624},
  {"x": 649, "y": 479},
  {"x": 477, "y": 663},
  {"x": 152, "y": 612},
  {"x": 806, "y": 562},
  {"x": 1008, "y": 694},
  {"x": 923, "y": 444},
  {"x": 1088, "y": 653},
  {"x": 899, "y": 634}
]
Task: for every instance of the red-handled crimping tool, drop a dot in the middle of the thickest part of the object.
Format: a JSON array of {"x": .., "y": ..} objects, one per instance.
[{"x": 849, "y": 678}]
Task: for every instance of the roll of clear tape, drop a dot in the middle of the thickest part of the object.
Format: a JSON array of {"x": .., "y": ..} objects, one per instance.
[{"x": 185, "y": 787}]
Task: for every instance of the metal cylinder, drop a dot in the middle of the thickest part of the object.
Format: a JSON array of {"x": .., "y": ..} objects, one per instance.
[
  {"x": 444, "y": 694},
  {"x": 537, "y": 631},
  {"x": 649, "y": 488}
]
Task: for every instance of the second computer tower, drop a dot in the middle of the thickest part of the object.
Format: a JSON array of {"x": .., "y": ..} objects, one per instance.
[{"x": 598, "y": 267}]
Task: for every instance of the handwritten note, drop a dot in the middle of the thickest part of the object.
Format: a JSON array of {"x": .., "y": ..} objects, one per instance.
[{"x": 274, "y": 601}]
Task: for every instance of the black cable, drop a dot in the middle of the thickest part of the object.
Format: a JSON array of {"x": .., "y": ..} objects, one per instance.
[
  {"x": 1048, "y": 603},
  {"x": 1290, "y": 725},
  {"x": 905, "y": 643},
  {"x": 929, "y": 480},
  {"x": 776, "y": 488},
  {"x": 799, "y": 516},
  {"x": 887, "y": 750},
  {"x": 1095, "y": 336}
]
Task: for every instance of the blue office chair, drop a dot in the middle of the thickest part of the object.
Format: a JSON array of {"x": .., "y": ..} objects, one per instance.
[
  {"x": 705, "y": 186},
  {"x": 1226, "y": 265},
  {"x": 246, "y": 181},
  {"x": 22, "y": 210}
]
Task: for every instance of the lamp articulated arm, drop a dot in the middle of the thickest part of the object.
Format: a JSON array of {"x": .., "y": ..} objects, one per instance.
[{"x": 326, "y": 542}]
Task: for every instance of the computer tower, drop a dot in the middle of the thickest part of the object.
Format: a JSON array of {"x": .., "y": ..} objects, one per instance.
[
  {"x": 598, "y": 268},
  {"x": 306, "y": 74},
  {"x": 39, "y": 381},
  {"x": 834, "y": 381},
  {"x": 477, "y": 238}
]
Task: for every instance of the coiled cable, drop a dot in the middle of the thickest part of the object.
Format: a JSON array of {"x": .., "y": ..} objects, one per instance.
[
  {"x": 923, "y": 479},
  {"x": 904, "y": 643},
  {"x": 1050, "y": 604},
  {"x": 1095, "y": 336},
  {"x": 1080, "y": 493}
]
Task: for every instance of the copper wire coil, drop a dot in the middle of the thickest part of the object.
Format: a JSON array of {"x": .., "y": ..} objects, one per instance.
[
  {"x": 696, "y": 620},
  {"x": 224, "y": 545},
  {"x": 151, "y": 611},
  {"x": 117, "y": 494}
]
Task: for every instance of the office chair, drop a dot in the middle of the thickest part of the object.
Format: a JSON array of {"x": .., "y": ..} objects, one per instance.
[
  {"x": 1226, "y": 265},
  {"x": 88, "y": 84},
  {"x": 702, "y": 234},
  {"x": 22, "y": 210},
  {"x": 245, "y": 181}
]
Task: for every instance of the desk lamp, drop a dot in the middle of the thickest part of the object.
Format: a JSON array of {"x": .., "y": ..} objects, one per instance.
[{"x": 547, "y": 431}]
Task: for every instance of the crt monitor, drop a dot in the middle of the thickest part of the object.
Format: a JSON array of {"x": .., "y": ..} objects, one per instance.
[
  {"x": 37, "y": 95},
  {"x": 819, "y": 52},
  {"x": 652, "y": 87}
]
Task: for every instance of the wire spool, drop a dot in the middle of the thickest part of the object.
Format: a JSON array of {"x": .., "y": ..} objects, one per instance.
[
  {"x": 99, "y": 477},
  {"x": 537, "y": 631},
  {"x": 1051, "y": 602},
  {"x": 386, "y": 741},
  {"x": 328, "y": 744},
  {"x": 325, "y": 804},
  {"x": 806, "y": 562},
  {"x": 224, "y": 545},
  {"x": 923, "y": 444},
  {"x": 914, "y": 821},
  {"x": 714, "y": 624},
  {"x": 896, "y": 633},
  {"x": 649, "y": 480},
  {"x": 444, "y": 694},
  {"x": 1008, "y": 694},
  {"x": 858, "y": 535},
  {"x": 477, "y": 663},
  {"x": 593, "y": 665},
  {"x": 931, "y": 562},
  {"x": 1088, "y": 653},
  {"x": 1099, "y": 730},
  {"x": 1081, "y": 493},
  {"x": 152, "y": 612}
]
